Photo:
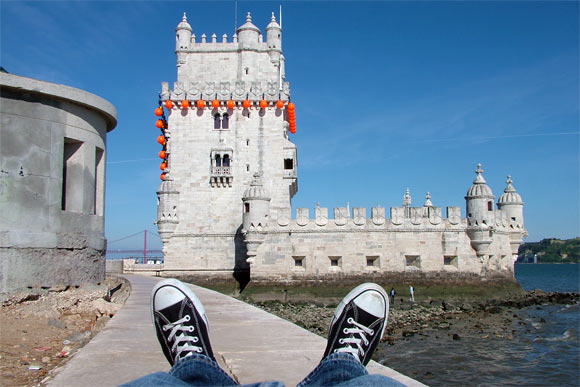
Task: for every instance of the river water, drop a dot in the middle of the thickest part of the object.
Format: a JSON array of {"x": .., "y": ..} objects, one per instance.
[{"x": 545, "y": 349}]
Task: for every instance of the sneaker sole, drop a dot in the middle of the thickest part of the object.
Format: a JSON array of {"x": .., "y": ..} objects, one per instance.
[
  {"x": 188, "y": 293},
  {"x": 358, "y": 291}
]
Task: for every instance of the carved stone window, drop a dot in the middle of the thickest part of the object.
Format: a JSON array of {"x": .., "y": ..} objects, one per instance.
[
  {"x": 221, "y": 167},
  {"x": 221, "y": 121},
  {"x": 489, "y": 206},
  {"x": 288, "y": 164},
  {"x": 225, "y": 121}
]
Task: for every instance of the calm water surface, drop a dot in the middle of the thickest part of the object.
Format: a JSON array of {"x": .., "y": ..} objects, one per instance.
[{"x": 545, "y": 350}]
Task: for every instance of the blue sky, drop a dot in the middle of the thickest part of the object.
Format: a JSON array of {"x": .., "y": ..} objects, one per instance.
[{"x": 389, "y": 95}]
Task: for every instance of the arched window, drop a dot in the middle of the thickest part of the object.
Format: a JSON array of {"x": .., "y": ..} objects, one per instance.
[
  {"x": 226, "y": 161},
  {"x": 226, "y": 121},
  {"x": 218, "y": 161},
  {"x": 216, "y": 121}
]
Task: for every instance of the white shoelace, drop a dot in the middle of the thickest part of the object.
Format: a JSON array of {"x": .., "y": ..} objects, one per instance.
[
  {"x": 182, "y": 338},
  {"x": 357, "y": 329}
]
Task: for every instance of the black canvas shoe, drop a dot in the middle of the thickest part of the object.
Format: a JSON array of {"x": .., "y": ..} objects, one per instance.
[
  {"x": 180, "y": 321},
  {"x": 359, "y": 322}
]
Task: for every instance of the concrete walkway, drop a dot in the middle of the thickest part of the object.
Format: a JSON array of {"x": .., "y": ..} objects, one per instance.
[{"x": 251, "y": 344}]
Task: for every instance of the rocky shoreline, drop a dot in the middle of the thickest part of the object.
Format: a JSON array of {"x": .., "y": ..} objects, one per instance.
[{"x": 457, "y": 319}]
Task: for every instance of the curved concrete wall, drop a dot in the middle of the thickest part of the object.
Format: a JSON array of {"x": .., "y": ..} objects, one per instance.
[{"x": 52, "y": 184}]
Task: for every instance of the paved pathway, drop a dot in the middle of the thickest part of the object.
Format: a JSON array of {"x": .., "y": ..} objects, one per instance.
[{"x": 251, "y": 344}]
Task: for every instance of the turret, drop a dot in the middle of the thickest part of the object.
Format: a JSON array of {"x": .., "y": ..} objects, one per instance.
[
  {"x": 167, "y": 197},
  {"x": 256, "y": 209},
  {"x": 479, "y": 202},
  {"x": 182, "y": 39},
  {"x": 407, "y": 203},
  {"x": 480, "y": 213},
  {"x": 248, "y": 34},
  {"x": 256, "y": 206},
  {"x": 274, "y": 39},
  {"x": 510, "y": 203}
]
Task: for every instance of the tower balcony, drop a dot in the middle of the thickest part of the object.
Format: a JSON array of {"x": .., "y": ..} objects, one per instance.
[{"x": 221, "y": 176}]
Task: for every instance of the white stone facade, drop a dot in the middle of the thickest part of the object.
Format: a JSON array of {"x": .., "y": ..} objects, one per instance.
[{"x": 225, "y": 203}]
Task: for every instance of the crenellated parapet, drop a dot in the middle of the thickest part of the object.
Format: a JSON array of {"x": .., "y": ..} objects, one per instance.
[
  {"x": 346, "y": 219},
  {"x": 237, "y": 91}
]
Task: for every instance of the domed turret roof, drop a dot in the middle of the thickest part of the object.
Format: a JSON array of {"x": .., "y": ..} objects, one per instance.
[
  {"x": 509, "y": 195},
  {"x": 255, "y": 190},
  {"x": 273, "y": 23},
  {"x": 248, "y": 25},
  {"x": 183, "y": 25},
  {"x": 479, "y": 189}
]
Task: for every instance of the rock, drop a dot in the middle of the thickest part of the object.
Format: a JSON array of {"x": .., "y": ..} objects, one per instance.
[
  {"x": 494, "y": 309},
  {"x": 56, "y": 323},
  {"x": 79, "y": 336},
  {"x": 467, "y": 307},
  {"x": 444, "y": 325},
  {"x": 456, "y": 336},
  {"x": 106, "y": 308}
]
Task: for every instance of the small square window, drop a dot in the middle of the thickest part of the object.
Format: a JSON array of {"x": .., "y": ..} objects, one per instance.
[
  {"x": 298, "y": 261},
  {"x": 413, "y": 261},
  {"x": 450, "y": 260},
  {"x": 372, "y": 261},
  {"x": 288, "y": 164},
  {"x": 335, "y": 261},
  {"x": 513, "y": 218},
  {"x": 246, "y": 207}
]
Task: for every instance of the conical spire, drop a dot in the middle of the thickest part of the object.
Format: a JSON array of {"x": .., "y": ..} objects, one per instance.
[
  {"x": 479, "y": 178},
  {"x": 273, "y": 23},
  {"x": 407, "y": 198},
  {"x": 248, "y": 25},
  {"x": 428, "y": 200}
]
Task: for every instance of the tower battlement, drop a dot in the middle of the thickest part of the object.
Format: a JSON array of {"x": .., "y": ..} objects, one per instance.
[{"x": 246, "y": 65}]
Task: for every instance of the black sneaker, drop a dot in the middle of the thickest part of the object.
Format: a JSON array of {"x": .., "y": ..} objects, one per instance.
[
  {"x": 359, "y": 322},
  {"x": 180, "y": 321}
]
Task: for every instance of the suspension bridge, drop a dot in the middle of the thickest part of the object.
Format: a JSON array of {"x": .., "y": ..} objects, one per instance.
[{"x": 141, "y": 255}]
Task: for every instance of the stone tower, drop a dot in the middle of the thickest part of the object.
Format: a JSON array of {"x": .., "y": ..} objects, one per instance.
[{"x": 232, "y": 125}]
